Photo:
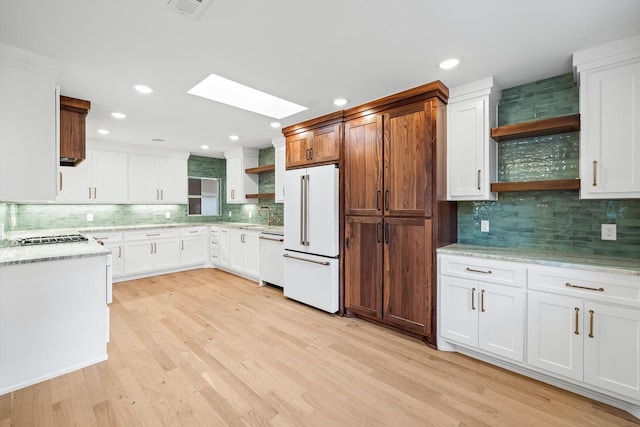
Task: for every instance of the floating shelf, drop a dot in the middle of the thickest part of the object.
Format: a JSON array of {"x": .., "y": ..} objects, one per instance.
[
  {"x": 537, "y": 128},
  {"x": 556, "y": 184},
  {"x": 260, "y": 169},
  {"x": 261, "y": 196}
]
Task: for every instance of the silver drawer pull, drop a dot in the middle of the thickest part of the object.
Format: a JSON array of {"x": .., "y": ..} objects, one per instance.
[
  {"x": 152, "y": 234},
  {"x": 569, "y": 285},
  {"x": 479, "y": 271},
  {"x": 307, "y": 260},
  {"x": 269, "y": 238}
]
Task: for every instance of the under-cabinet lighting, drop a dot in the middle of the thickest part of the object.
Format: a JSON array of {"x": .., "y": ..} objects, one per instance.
[{"x": 228, "y": 92}]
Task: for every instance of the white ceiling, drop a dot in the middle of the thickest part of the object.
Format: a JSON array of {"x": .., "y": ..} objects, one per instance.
[{"x": 306, "y": 52}]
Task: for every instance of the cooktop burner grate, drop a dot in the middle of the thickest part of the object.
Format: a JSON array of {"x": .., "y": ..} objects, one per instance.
[{"x": 47, "y": 240}]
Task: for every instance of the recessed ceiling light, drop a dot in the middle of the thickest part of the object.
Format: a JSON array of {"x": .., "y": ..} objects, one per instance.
[
  {"x": 204, "y": 147},
  {"x": 143, "y": 89},
  {"x": 275, "y": 124},
  {"x": 118, "y": 115},
  {"x": 103, "y": 131},
  {"x": 234, "y": 137},
  {"x": 238, "y": 95},
  {"x": 339, "y": 102},
  {"x": 449, "y": 63}
]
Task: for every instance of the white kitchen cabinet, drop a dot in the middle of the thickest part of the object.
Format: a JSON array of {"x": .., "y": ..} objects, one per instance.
[
  {"x": 214, "y": 246},
  {"x": 280, "y": 161},
  {"x": 29, "y": 121},
  {"x": 113, "y": 240},
  {"x": 245, "y": 252},
  {"x": 155, "y": 179},
  {"x": 610, "y": 120},
  {"x": 224, "y": 243},
  {"x": 478, "y": 313},
  {"x": 100, "y": 178},
  {"x": 193, "y": 245},
  {"x": 471, "y": 152},
  {"x": 586, "y": 326},
  {"x": 151, "y": 250},
  {"x": 239, "y": 183}
]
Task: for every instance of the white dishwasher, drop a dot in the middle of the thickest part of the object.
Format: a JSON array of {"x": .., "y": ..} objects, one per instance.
[{"x": 271, "y": 261}]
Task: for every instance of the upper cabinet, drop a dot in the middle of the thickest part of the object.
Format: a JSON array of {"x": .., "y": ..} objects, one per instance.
[
  {"x": 610, "y": 120},
  {"x": 73, "y": 117},
  {"x": 280, "y": 162},
  {"x": 28, "y": 127},
  {"x": 315, "y": 142},
  {"x": 240, "y": 183},
  {"x": 155, "y": 179},
  {"x": 471, "y": 152}
]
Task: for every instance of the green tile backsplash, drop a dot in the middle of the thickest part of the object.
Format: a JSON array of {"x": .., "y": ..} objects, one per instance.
[
  {"x": 17, "y": 217},
  {"x": 547, "y": 220}
]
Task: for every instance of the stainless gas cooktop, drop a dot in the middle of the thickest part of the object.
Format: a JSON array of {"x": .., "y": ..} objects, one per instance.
[{"x": 47, "y": 240}]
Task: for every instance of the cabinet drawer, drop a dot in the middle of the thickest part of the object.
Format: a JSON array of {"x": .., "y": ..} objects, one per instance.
[
  {"x": 501, "y": 272},
  {"x": 193, "y": 231},
  {"x": 155, "y": 233},
  {"x": 615, "y": 288},
  {"x": 107, "y": 237}
]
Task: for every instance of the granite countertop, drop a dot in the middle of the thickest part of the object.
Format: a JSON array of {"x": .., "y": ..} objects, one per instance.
[
  {"x": 628, "y": 266},
  {"x": 25, "y": 254}
]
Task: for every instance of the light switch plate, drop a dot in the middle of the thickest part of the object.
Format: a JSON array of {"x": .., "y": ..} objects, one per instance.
[
  {"x": 484, "y": 226},
  {"x": 167, "y": 214},
  {"x": 609, "y": 232},
  {"x": 89, "y": 217}
]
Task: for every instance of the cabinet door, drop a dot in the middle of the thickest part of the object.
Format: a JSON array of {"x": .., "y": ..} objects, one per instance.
[
  {"x": 138, "y": 257},
  {"x": 234, "y": 180},
  {"x": 363, "y": 265},
  {"x": 75, "y": 183},
  {"x": 363, "y": 166},
  {"x": 109, "y": 175},
  {"x": 280, "y": 161},
  {"x": 224, "y": 245},
  {"x": 166, "y": 253},
  {"x": 297, "y": 150},
  {"x": 610, "y": 132},
  {"x": 408, "y": 267},
  {"x": 501, "y": 320},
  {"x": 117, "y": 258},
  {"x": 172, "y": 180},
  {"x": 459, "y": 310},
  {"x": 471, "y": 153},
  {"x": 554, "y": 333},
  {"x": 237, "y": 249},
  {"x": 408, "y": 159},
  {"x": 193, "y": 250},
  {"x": 325, "y": 145},
  {"x": 252, "y": 253},
  {"x": 612, "y": 348},
  {"x": 143, "y": 178}
]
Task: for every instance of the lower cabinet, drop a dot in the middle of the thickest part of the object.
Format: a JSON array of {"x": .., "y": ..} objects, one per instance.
[
  {"x": 113, "y": 241},
  {"x": 245, "y": 252},
  {"x": 151, "y": 250},
  {"x": 193, "y": 246}
]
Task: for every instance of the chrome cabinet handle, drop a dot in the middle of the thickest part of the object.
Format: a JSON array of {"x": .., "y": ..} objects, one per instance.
[
  {"x": 591, "y": 323},
  {"x": 595, "y": 171},
  {"x": 482, "y": 301},
  {"x": 302, "y": 210},
  {"x": 95, "y": 193},
  {"x": 152, "y": 234},
  {"x": 89, "y": 192},
  {"x": 577, "y": 331},
  {"x": 151, "y": 247},
  {"x": 473, "y": 298},
  {"x": 479, "y": 172},
  {"x": 182, "y": 245},
  {"x": 478, "y": 271},
  {"x": 569, "y": 285},
  {"x": 119, "y": 251},
  {"x": 161, "y": 194}
]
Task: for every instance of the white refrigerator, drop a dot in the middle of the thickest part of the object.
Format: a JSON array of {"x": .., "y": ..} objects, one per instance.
[{"x": 311, "y": 250}]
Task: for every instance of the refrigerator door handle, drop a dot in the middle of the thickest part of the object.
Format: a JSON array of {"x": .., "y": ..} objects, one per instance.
[
  {"x": 306, "y": 210},
  {"x": 302, "y": 207},
  {"x": 306, "y": 260}
]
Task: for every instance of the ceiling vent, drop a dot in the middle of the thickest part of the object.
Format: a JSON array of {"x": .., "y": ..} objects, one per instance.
[{"x": 190, "y": 8}]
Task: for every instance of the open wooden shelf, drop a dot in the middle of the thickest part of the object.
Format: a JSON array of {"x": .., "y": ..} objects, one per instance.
[
  {"x": 556, "y": 184},
  {"x": 537, "y": 128},
  {"x": 260, "y": 169},
  {"x": 261, "y": 196}
]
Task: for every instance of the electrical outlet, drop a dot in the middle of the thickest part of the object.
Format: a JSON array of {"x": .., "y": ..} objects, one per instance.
[
  {"x": 484, "y": 226},
  {"x": 608, "y": 232},
  {"x": 229, "y": 214},
  {"x": 250, "y": 214},
  {"x": 167, "y": 215},
  {"x": 89, "y": 217}
]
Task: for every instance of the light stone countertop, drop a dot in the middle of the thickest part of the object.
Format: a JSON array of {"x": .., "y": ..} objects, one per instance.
[
  {"x": 38, "y": 253},
  {"x": 627, "y": 266}
]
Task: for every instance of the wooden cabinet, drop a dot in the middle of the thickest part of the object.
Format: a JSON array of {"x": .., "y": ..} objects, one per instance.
[
  {"x": 73, "y": 135},
  {"x": 482, "y": 305},
  {"x": 395, "y": 212},
  {"x": 280, "y": 164},
  {"x": 101, "y": 178},
  {"x": 316, "y": 142},
  {"x": 610, "y": 116},
  {"x": 239, "y": 183},
  {"x": 471, "y": 152},
  {"x": 28, "y": 129},
  {"x": 193, "y": 245},
  {"x": 154, "y": 179}
]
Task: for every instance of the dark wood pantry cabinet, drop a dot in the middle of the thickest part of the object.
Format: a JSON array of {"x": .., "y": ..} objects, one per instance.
[
  {"x": 395, "y": 207},
  {"x": 315, "y": 142}
]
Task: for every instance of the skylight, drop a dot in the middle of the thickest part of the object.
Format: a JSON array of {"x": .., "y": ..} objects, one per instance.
[{"x": 238, "y": 95}]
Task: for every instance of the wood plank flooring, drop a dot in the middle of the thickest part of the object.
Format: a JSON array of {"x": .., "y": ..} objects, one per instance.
[{"x": 206, "y": 348}]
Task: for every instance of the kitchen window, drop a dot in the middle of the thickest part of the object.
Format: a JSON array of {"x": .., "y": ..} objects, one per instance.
[{"x": 204, "y": 196}]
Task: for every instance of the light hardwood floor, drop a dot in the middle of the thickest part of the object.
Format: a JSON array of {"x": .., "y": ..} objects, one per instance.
[{"x": 206, "y": 348}]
